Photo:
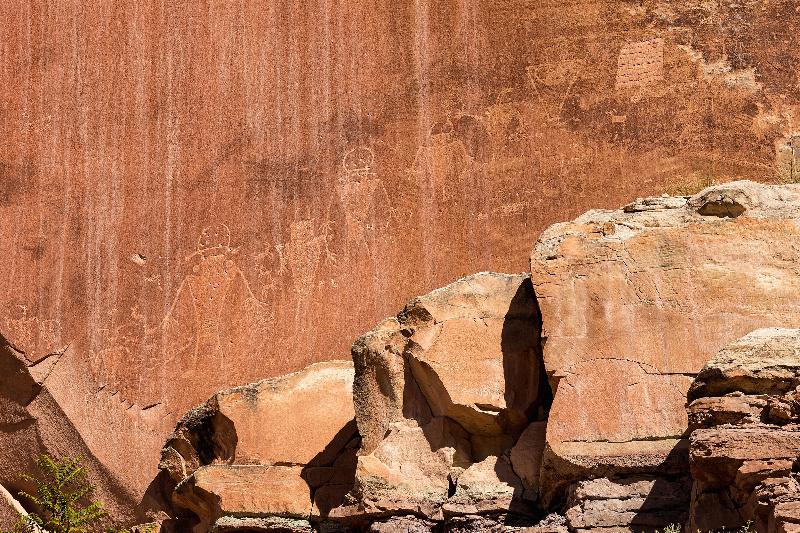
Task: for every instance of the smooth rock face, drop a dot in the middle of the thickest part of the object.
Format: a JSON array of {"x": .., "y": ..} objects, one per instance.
[
  {"x": 635, "y": 301},
  {"x": 167, "y": 212},
  {"x": 746, "y": 436},
  {"x": 443, "y": 392},
  {"x": 281, "y": 447}
]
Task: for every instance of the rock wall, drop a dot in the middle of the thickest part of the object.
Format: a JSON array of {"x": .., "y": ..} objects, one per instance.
[
  {"x": 186, "y": 187},
  {"x": 31, "y": 424},
  {"x": 607, "y": 391}
]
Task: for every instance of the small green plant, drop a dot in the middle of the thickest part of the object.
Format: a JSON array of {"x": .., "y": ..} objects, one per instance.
[{"x": 62, "y": 498}]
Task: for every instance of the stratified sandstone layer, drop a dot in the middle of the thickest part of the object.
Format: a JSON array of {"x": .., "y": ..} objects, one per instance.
[
  {"x": 635, "y": 301},
  {"x": 186, "y": 187},
  {"x": 745, "y": 443}
]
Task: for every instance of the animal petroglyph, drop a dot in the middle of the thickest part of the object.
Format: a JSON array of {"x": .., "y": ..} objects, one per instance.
[
  {"x": 640, "y": 65},
  {"x": 552, "y": 85}
]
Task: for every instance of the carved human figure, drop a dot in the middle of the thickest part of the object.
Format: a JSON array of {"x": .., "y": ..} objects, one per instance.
[
  {"x": 361, "y": 191},
  {"x": 214, "y": 310}
]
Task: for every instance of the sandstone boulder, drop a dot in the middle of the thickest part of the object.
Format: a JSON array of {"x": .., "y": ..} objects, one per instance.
[
  {"x": 764, "y": 361},
  {"x": 442, "y": 393},
  {"x": 283, "y": 447},
  {"x": 746, "y": 434},
  {"x": 526, "y": 456},
  {"x": 635, "y": 301}
]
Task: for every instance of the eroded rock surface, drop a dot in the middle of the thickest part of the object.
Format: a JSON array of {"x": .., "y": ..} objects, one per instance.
[
  {"x": 746, "y": 435},
  {"x": 32, "y": 423},
  {"x": 635, "y": 301},
  {"x": 283, "y": 447},
  {"x": 442, "y": 393}
]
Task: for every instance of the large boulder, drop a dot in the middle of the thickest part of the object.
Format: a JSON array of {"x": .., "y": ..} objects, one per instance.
[
  {"x": 745, "y": 439},
  {"x": 442, "y": 393},
  {"x": 283, "y": 447},
  {"x": 635, "y": 301}
]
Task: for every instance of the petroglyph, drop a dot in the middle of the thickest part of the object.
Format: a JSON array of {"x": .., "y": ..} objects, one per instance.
[
  {"x": 507, "y": 129},
  {"x": 214, "y": 308},
  {"x": 361, "y": 191},
  {"x": 441, "y": 161},
  {"x": 722, "y": 70},
  {"x": 34, "y": 336},
  {"x": 640, "y": 65},
  {"x": 552, "y": 85}
]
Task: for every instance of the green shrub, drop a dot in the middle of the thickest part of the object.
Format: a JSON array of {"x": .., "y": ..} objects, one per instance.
[{"x": 62, "y": 499}]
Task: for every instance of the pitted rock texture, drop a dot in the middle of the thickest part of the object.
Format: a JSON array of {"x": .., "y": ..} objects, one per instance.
[
  {"x": 442, "y": 393},
  {"x": 185, "y": 189},
  {"x": 745, "y": 443},
  {"x": 283, "y": 447},
  {"x": 635, "y": 301}
]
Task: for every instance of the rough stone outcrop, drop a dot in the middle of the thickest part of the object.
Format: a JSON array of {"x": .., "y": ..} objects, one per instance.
[
  {"x": 639, "y": 503},
  {"x": 185, "y": 190},
  {"x": 280, "y": 449},
  {"x": 472, "y": 410},
  {"x": 635, "y": 301},
  {"x": 745, "y": 420},
  {"x": 32, "y": 423},
  {"x": 442, "y": 393}
]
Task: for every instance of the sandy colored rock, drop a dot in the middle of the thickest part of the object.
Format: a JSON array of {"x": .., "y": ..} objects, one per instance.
[
  {"x": 282, "y": 447},
  {"x": 448, "y": 385},
  {"x": 32, "y": 423},
  {"x": 273, "y": 524},
  {"x": 218, "y": 490},
  {"x": 635, "y": 502},
  {"x": 301, "y": 418},
  {"x": 472, "y": 351},
  {"x": 411, "y": 469},
  {"x": 593, "y": 431},
  {"x": 744, "y": 443},
  {"x": 526, "y": 455},
  {"x": 402, "y": 524},
  {"x": 635, "y": 303},
  {"x": 167, "y": 212},
  {"x": 489, "y": 486},
  {"x": 765, "y": 361},
  {"x": 631, "y": 273}
]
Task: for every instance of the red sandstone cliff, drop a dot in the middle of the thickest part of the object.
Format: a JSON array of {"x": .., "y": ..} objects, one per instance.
[{"x": 198, "y": 195}]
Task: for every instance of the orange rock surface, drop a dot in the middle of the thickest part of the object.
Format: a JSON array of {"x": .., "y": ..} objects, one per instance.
[{"x": 195, "y": 195}]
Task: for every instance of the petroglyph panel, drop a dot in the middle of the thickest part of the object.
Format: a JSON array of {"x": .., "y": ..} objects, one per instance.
[
  {"x": 640, "y": 65},
  {"x": 367, "y": 153}
]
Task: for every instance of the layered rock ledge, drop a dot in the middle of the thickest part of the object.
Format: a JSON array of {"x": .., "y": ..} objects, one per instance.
[{"x": 489, "y": 403}]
